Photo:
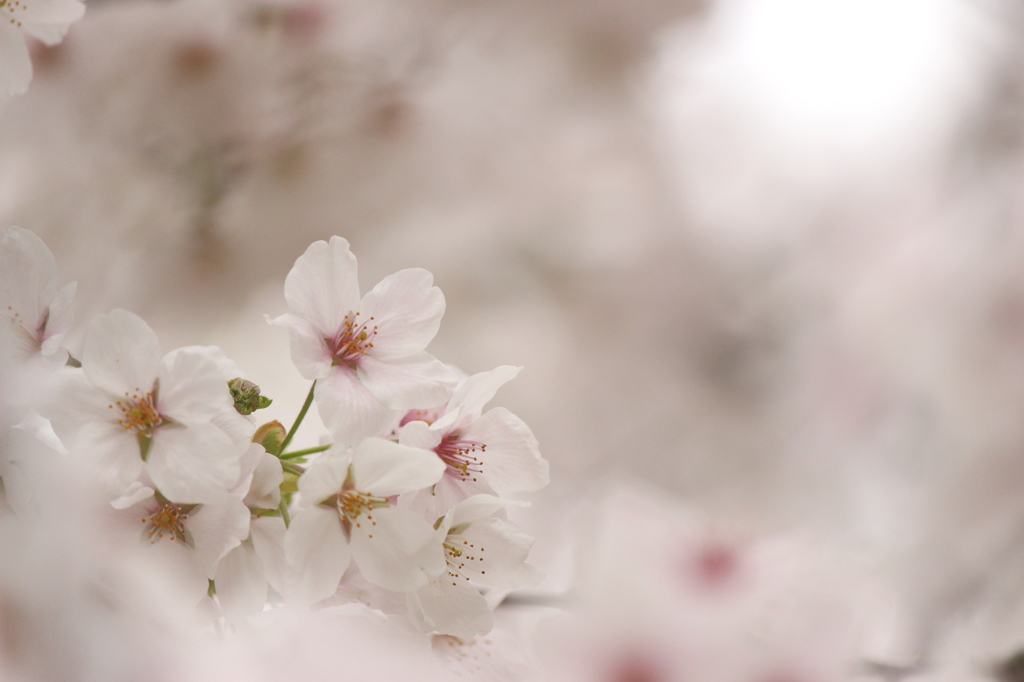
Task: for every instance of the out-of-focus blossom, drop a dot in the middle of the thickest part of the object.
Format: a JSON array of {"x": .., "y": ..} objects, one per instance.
[
  {"x": 36, "y": 313},
  {"x": 367, "y": 355},
  {"x": 45, "y": 20},
  {"x": 143, "y": 420},
  {"x": 495, "y": 452},
  {"x": 244, "y": 574},
  {"x": 347, "y": 516},
  {"x": 478, "y": 548}
]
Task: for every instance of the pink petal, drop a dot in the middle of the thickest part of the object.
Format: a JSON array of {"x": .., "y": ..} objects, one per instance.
[
  {"x": 310, "y": 354},
  {"x": 323, "y": 287},
  {"x": 478, "y": 390},
  {"x": 113, "y": 453},
  {"x": 407, "y": 310},
  {"x": 121, "y": 354},
  {"x": 322, "y": 479},
  {"x": 348, "y": 408},
  {"x": 450, "y": 606},
  {"x": 192, "y": 389},
  {"x": 399, "y": 552},
  {"x": 385, "y": 468},
  {"x": 189, "y": 465},
  {"x": 241, "y": 583},
  {"x": 317, "y": 554},
  {"x": 512, "y": 462},
  {"x": 417, "y": 381},
  {"x": 15, "y": 65}
]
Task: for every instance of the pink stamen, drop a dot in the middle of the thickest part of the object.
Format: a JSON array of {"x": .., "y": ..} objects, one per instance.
[{"x": 352, "y": 340}]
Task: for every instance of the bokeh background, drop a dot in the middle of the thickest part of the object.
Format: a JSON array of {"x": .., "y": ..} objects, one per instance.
[{"x": 763, "y": 257}]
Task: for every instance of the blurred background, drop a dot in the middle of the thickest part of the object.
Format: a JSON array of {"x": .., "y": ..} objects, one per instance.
[{"x": 761, "y": 256}]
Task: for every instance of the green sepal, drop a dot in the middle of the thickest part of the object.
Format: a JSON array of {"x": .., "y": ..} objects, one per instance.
[{"x": 247, "y": 396}]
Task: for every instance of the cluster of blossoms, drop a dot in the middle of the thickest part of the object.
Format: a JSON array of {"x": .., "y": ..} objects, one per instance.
[{"x": 402, "y": 513}]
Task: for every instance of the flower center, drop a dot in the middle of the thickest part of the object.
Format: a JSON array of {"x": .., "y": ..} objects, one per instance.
[
  {"x": 351, "y": 506},
  {"x": 168, "y": 521},
  {"x": 457, "y": 552},
  {"x": 458, "y": 455},
  {"x": 352, "y": 340},
  {"x": 138, "y": 412}
]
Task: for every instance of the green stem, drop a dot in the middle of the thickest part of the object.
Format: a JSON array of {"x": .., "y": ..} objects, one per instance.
[
  {"x": 298, "y": 420},
  {"x": 284, "y": 514},
  {"x": 303, "y": 453}
]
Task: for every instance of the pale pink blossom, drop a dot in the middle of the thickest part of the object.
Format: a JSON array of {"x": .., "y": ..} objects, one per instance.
[
  {"x": 480, "y": 549},
  {"x": 143, "y": 422},
  {"x": 347, "y": 517},
  {"x": 489, "y": 453},
  {"x": 366, "y": 354},
  {"x": 36, "y": 313}
]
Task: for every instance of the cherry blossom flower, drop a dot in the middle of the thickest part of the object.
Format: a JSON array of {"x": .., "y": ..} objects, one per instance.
[
  {"x": 190, "y": 539},
  {"x": 366, "y": 354},
  {"x": 37, "y": 314},
  {"x": 347, "y": 516},
  {"x": 493, "y": 452},
  {"x": 478, "y": 548},
  {"x": 45, "y": 20},
  {"x": 145, "y": 421}
]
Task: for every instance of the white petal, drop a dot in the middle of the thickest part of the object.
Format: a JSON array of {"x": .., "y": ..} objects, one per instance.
[
  {"x": 347, "y": 407},
  {"x": 310, "y": 354},
  {"x": 15, "y": 65},
  {"x": 267, "y": 534},
  {"x": 407, "y": 311},
  {"x": 408, "y": 383},
  {"x": 317, "y": 554},
  {"x": 216, "y": 529},
  {"x": 512, "y": 461},
  {"x": 265, "y": 489},
  {"x": 113, "y": 453},
  {"x": 419, "y": 435},
  {"x": 191, "y": 387},
  {"x": 323, "y": 287},
  {"x": 60, "y": 319},
  {"x": 52, "y": 11},
  {"x": 478, "y": 390},
  {"x": 135, "y": 493},
  {"x": 74, "y": 402},
  {"x": 322, "y": 479},
  {"x": 395, "y": 549},
  {"x": 494, "y": 553},
  {"x": 450, "y": 606},
  {"x": 385, "y": 468},
  {"x": 121, "y": 354},
  {"x": 479, "y": 506},
  {"x": 28, "y": 271},
  {"x": 241, "y": 583},
  {"x": 192, "y": 464}
]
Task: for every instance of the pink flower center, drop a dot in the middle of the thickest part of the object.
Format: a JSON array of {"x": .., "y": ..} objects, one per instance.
[
  {"x": 352, "y": 340},
  {"x": 138, "y": 412},
  {"x": 458, "y": 455}
]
